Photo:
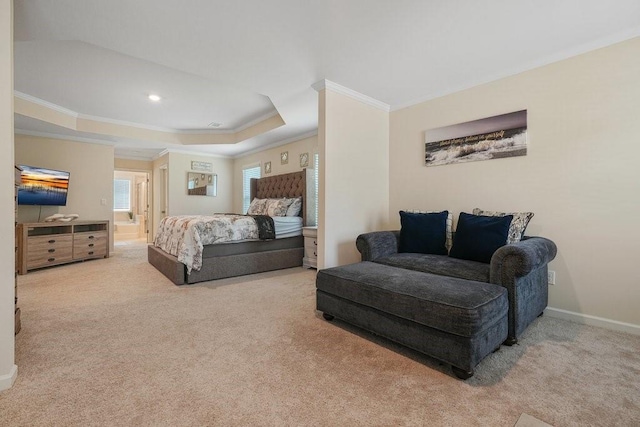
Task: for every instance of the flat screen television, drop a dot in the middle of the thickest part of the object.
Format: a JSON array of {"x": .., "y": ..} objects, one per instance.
[{"x": 42, "y": 186}]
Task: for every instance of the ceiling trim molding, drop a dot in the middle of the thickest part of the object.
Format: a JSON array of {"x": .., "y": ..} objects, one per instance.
[
  {"x": 277, "y": 144},
  {"x": 46, "y": 104},
  {"x": 124, "y": 123},
  {"x": 334, "y": 87},
  {"x": 192, "y": 153},
  {"x": 558, "y": 57},
  {"x": 63, "y": 137},
  {"x": 76, "y": 115}
]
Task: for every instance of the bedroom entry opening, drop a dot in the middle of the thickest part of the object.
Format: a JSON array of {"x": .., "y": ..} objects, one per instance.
[{"x": 131, "y": 206}]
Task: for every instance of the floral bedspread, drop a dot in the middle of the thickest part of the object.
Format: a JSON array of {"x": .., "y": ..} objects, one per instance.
[{"x": 185, "y": 236}]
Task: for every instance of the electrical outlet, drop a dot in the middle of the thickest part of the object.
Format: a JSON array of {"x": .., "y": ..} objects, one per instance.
[{"x": 551, "y": 277}]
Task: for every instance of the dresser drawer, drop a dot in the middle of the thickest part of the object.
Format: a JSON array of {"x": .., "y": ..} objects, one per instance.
[
  {"x": 89, "y": 245},
  {"x": 49, "y": 250}
]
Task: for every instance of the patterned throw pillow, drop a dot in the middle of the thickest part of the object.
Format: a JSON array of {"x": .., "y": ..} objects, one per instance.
[
  {"x": 277, "y": 207},
  {"x": 449, "y": 240},
  {"x": 295, "y": 207},
  {"x": 257, "y": 207},
  {"x": 518, "y": 224}
]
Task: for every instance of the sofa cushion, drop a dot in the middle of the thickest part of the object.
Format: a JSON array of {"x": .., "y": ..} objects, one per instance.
[
  {"x": 518, "y": 223},
  {"x": 439, "y": 264},
  {"x": 478, "y": 237},
  {"x": 449, "y": 241},
  {"x": 424, "y": 233},
  {"x": 456, "y": 306}
]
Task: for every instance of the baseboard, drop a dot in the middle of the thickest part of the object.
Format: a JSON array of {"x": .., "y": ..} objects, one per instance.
[
  {"x": 593, "y": 320},
  {"x": 6, "y": 381}
]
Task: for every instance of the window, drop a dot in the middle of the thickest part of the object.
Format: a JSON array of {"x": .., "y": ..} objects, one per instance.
[
  {"x": 247, "y": 174},
  {"x": 121, "y": 195}
]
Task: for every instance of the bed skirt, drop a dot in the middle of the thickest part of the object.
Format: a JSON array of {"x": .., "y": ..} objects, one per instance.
[{"x": 256, "y": 257}]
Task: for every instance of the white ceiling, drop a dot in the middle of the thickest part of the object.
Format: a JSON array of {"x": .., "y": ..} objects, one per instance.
[{"x": 234, "y": 62}]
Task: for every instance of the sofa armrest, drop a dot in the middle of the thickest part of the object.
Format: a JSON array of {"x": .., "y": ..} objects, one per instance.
[
  {"x": 377, "y": 244},
  {"x": 521, "y": 258}
]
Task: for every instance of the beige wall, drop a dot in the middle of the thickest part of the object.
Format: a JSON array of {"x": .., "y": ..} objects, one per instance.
[
  {"x": 180, "y": 203},
  {"x": 580, "y": 176},
  {"x": 90, "y": 182},
  {"x": 294, "y": 149},
  {"x": 8, "y": 370},
  {"x": 353, "y": 140},
  {"x": 133, "y": 165}
]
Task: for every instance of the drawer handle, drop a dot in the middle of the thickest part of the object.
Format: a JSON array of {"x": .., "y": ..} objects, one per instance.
[
  {"x": 51, "y": 251},
  {"x": 51, "y": 259},
  {"x": 91, "y": 253},
  {"x": 315, "y": 243},
  {"x": 90, "y": 245},
  {"x": 91, "y": 237},
  {"x": 314, "y": 253},
  {"x": 52, "y": 241}
]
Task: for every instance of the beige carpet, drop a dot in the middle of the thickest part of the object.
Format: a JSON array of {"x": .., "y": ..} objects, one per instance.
[{"x": 112, "y": 342}]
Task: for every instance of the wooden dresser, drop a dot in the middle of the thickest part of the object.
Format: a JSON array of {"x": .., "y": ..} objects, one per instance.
[{"x": 44, "y": 244}]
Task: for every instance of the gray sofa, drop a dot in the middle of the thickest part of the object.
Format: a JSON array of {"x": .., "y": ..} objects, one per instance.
[
  {"x": 519, "y": 267},
  {"x": 454, "y": 310}
]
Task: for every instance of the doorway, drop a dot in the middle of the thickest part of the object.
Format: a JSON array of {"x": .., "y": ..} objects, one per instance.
[{"x": 132, "y": 217}]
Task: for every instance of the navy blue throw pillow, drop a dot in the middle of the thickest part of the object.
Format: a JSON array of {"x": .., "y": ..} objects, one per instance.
[
  {"x": 478, "y": 237},
  {"x": 424, "y": 233}
]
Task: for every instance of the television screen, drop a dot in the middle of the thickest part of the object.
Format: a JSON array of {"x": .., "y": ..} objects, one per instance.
[{"x": 41, "y": 186}]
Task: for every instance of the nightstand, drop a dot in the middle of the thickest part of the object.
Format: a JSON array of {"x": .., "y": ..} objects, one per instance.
[{"x": 310, "y": 259}]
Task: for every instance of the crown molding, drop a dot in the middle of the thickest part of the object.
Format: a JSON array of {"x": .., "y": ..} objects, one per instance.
[
  {"x": 334, "y": 87},
  {"x": 45, "y": 104},
  {"x": 192, "y": 153},
  {"x": 277, "y": 144},
  {"x": 117, "y": 122},
  {"x": 63, "y": 137},
  {"x": 125, "y": 123}
]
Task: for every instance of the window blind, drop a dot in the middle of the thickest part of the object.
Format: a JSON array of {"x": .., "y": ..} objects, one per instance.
[
  {"x": 121, "y": 195},
  {"x": 247, "y": 174}
]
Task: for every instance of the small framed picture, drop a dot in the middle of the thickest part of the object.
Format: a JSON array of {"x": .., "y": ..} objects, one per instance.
[
  {"x": 304, "y": 160},
  {"x": 267, "y": 167},
  {"x": 284, "y": 157}
]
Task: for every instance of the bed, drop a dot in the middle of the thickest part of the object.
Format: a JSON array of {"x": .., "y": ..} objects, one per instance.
[{"x": 245, "y": 257}]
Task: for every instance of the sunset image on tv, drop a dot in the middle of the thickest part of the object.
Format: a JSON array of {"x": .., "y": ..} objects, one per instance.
[{"x": 40, "y": 186}]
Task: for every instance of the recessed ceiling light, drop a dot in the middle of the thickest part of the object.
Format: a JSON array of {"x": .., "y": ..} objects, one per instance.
[
  {"x": 214, "y": 125},
  {"x": 154, "y": 97}
]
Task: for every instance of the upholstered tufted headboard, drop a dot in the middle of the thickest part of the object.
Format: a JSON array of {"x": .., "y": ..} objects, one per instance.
[{"x": 292, "y": 184}]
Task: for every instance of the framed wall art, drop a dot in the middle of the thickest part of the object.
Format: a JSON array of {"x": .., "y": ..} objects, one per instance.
[{"x": 495, "y": 137}]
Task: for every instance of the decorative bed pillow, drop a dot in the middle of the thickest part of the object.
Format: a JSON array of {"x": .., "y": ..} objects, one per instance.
[
  {"x": 257, "y": 207},
  {"x": 518, "y": 224},
  {"x": 271, "y": 207},
  {"x": 295, "y": 207},
  {"x": 478, "y": 237},
  {"x": 449, "y": 241},
  {"x": 423, "y": 233},
  {"x": 277, "y": 207}
]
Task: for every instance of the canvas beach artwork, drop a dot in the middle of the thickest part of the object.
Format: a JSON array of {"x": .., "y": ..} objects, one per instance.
[{"x": 490, "y": 138}]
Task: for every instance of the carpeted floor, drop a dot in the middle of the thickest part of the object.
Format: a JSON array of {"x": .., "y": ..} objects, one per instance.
[{"x": 113, "y": 343}]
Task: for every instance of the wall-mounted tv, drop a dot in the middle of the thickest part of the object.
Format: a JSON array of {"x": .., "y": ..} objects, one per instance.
[{"x": 42, "y": 186}]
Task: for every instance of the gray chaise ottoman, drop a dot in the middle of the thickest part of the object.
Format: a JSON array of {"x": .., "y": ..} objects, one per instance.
[{"x": 454, "y": 320}]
